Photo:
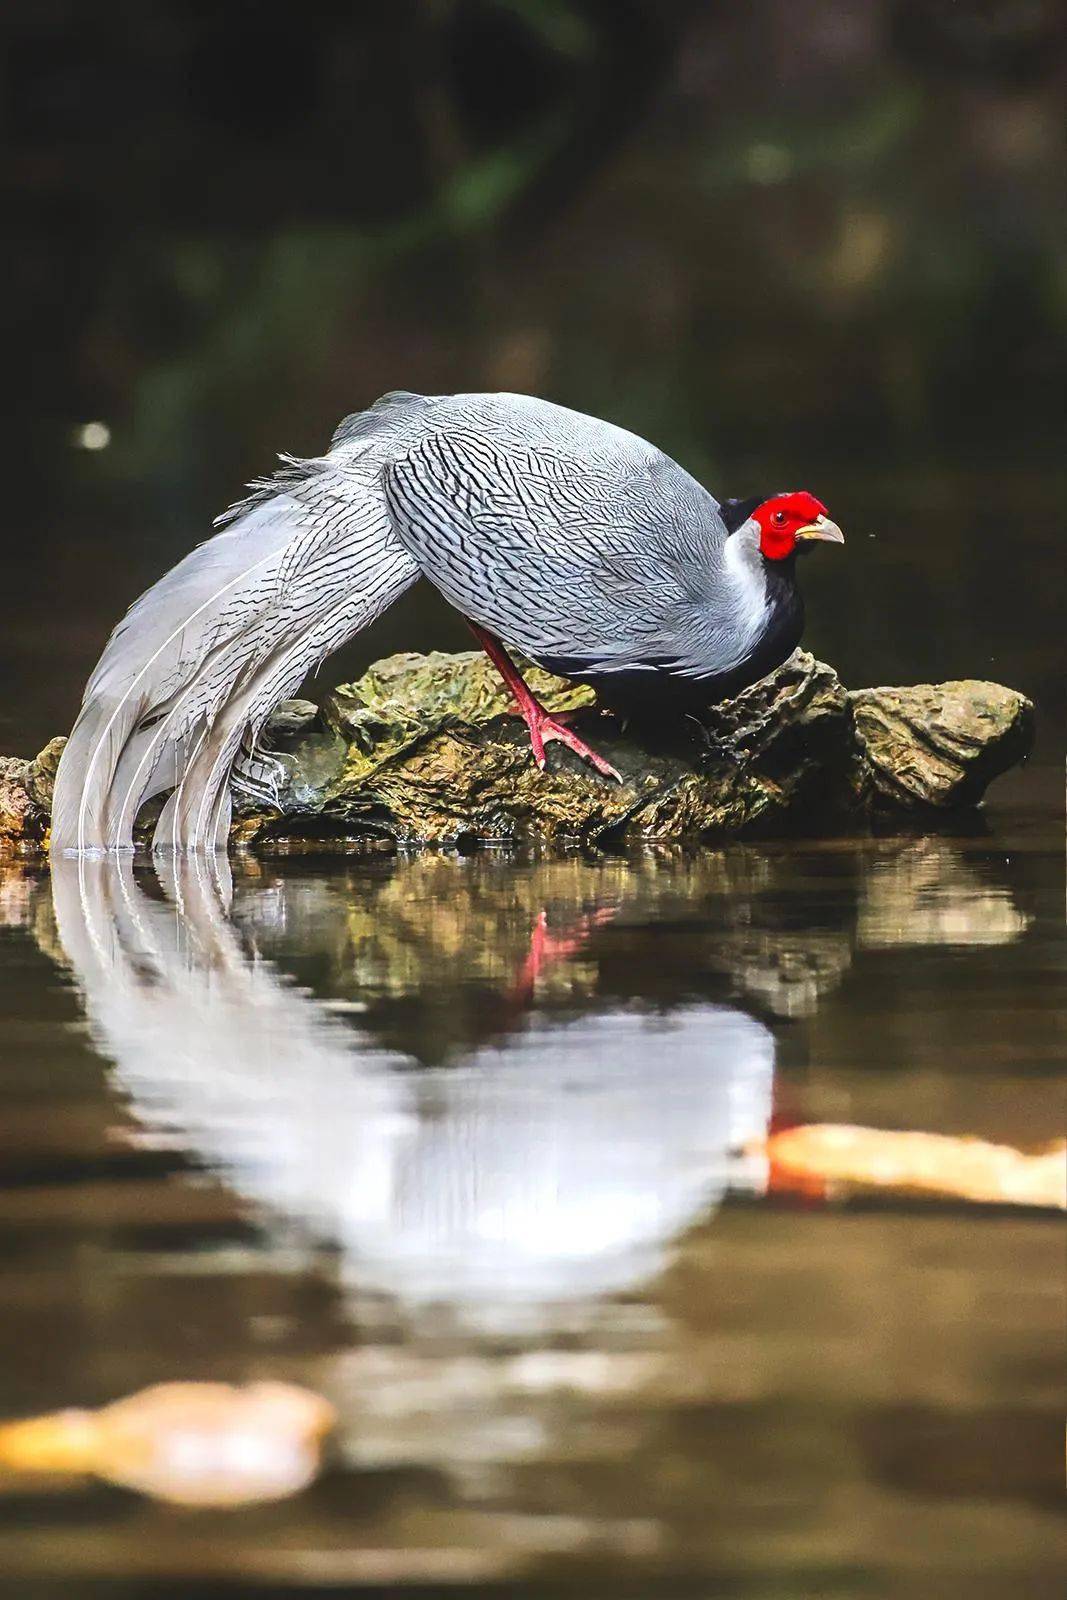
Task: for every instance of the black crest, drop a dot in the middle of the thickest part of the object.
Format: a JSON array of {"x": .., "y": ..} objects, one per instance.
[{"x": 735, "y": 512}]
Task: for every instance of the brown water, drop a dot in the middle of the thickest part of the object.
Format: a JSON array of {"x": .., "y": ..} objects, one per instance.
[{"x": 465, "y": 1146}]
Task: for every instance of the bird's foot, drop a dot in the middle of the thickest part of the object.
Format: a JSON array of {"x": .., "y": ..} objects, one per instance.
[{"x": 544, "y": 728}]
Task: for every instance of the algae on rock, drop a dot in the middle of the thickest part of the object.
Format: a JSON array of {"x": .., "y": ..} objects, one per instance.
[{"x": 939, "y": 744}]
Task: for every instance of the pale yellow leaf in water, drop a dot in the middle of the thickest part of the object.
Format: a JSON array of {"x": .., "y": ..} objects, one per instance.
[
  {"x": 839, "y": 1156},
  {"x": 196, "y": 1444}
]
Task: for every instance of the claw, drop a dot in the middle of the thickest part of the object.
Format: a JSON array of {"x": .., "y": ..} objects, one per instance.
[{"x": 551, "y": 727}]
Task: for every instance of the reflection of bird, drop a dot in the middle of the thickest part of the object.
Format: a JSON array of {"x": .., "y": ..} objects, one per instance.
[
  {"x": 555, "y": 1165},
  {"x": 576, "y": 541}
]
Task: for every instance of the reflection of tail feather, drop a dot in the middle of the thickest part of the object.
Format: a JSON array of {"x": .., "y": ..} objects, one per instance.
[
  {"x": 555, "y": 1166},
  {"x": 217, "y": 1048}
]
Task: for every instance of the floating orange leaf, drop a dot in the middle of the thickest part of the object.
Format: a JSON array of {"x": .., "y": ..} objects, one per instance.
[
  {"x": 829, "y": 1156},
  {"x": 203, "y": 1444}
]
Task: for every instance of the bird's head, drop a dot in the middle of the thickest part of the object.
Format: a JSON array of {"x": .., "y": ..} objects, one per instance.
[{"x": 783, "y": 524}]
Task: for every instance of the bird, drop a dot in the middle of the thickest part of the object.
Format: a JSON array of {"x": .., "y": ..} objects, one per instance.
[{"x": 554, "y": 533}]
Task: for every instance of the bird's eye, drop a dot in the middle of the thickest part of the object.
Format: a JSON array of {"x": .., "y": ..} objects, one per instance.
[{"x": 779, "y": 517}]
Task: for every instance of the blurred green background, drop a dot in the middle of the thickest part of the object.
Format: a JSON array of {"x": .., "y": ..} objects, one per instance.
[{"x": 798, "y": 243}]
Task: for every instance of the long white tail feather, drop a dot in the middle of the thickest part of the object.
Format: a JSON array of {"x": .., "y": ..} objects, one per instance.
[
  {"x": 377, "y": 580},
  {"x": 149, "y": 764},
  {"x": 166, "y": 839},
  {"x": 202, "y": 658},
  {"x": 160, "y": 644}
]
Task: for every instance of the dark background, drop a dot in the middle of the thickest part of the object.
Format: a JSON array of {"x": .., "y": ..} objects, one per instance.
[{"x": 798, "y": 243}]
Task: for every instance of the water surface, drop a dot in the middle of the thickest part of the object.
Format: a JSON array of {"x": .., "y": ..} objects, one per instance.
[{"x": 471, "y": 1147}]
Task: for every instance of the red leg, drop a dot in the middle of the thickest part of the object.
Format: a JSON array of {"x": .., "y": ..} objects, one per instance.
[{"x": 543, "y": 727}]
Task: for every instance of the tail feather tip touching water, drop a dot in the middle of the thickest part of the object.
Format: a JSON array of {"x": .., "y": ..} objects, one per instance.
[{"x": 201, "y": 659}]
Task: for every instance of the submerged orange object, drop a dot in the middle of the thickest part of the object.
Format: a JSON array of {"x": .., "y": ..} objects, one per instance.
[{"x": 196, "y": 1444}]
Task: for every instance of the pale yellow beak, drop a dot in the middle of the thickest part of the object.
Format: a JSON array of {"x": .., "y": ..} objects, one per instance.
[{"x": 822, "y": 528}]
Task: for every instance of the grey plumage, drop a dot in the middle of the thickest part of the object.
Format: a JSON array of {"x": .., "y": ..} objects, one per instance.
[
  {"x": 567, "y": 536},
  {"x": 199, "y": 661},
  {"x": 627, "y": 548}
]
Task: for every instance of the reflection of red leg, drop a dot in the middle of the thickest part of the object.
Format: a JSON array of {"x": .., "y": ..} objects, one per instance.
[
  {"x": 543, "y": 727},
  {"x": 547, "y": 948}
]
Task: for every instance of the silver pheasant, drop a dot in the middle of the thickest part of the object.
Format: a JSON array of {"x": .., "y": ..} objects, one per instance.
[{"x": 565, "y": 536}]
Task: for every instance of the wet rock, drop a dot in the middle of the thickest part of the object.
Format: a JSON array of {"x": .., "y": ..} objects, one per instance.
[
  {"x": 402, "y": 698},
  {"x": 291, "y": 718},
  {"x": 433, "y": 756},
  {"x": 424, "y": 749},
  {"x": 26, "y": 799},
  {"x": 289, "y": 782},
  {"x": 938, "y": 745},
  {"x": 293, "y": 766},
  {"x": 40, "y": 780},
  {"x": 22, "y": 820}
]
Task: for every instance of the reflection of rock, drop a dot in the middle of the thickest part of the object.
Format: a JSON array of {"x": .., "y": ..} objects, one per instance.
[
  {"x": 457, "y": 938},
  {"x": 441, "y": 954},
  {"x": 788, "y": 973},
  {"x": 437, "y": 946},
  {"x": 421, "y": 750},
  {"x": 926, "y": 894},
  {"x": 556, "y": 1165}
]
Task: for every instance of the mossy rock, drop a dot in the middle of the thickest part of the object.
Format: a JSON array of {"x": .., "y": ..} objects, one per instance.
[
  {"x": 938, "y": 745},
  {"x": 423, "y": 749}
]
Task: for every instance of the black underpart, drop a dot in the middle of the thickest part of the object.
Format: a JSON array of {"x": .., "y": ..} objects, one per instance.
[{"x": 651, "y": 691}]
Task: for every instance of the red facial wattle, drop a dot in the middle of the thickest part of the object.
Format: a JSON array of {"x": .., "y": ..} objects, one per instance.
[{"x": 781, "y": 518}]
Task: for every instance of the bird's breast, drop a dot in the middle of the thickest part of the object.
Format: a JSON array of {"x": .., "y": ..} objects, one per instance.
[{"x": 701, "y": 666}]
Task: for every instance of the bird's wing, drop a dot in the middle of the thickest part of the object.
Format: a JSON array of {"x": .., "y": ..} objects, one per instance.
[{"x": 569, "y": 538}]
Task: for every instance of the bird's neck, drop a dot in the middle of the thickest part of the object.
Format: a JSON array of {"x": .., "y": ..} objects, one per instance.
[
  {"x": 772, "y": 614},
  {"x": 749, "y": 623},
  {"x": 751, "y": 588}
]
